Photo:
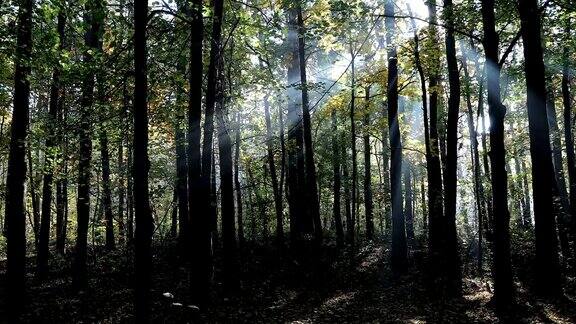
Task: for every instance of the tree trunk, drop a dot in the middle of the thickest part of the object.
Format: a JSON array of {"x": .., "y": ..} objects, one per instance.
[
  {"x": 143, "y": 216},
  {"x": 548, "y": 278},
  {"x": 399, "y": 254},
  {"x": 336, "y": 209},
  {"x": 503, "y": 285},
  {"x": 354, "y": 197},
  {"x": 310, "y": 181},
  {"x": 44, "y": 239},
  {"x": 273, "y": 175},
  {"x": 347, "y": 207},
  {"x": 568, "y": 136},
  {"x": 300, "y": 222},
  {"x": 559, "y": 191},
  {"x": 239, "y": 209},
  {"x": 181, "y": 167},
  {"x": 452, "y": 266},
  {"x": 478, "y": 184},
  {"x": 15, "y": 214},
  {"x": 408, "y": 202},
  {"x": 203, "y": 254},
  {"x": 106, "y": 190},
  {"x": 367, "y": 171},
  {"x": 93, "y": 25}
]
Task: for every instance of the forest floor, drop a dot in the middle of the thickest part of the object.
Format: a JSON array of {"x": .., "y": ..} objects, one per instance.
[{"x": 343, "y": 287}]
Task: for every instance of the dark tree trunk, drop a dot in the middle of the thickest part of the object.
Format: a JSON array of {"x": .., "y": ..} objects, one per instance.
[
  {"x": 399, "y": 254},
  {"x": 229, "y": 247},
  {"x": 527, "y": 213},
  {"x": 568, "y": 136},
  {"x": 91, "y": 39},
  {"x": 354, "y": 179},
  {"x": 174, "y": 218},
  {"x": 310, "y": 181},
  {"x": 386, "y": 172},
  {"x": 181, "y": 166},
  {"x": 44, "y": 239},
  {"x": 202, "y": 272},
  {"x": 130, "y": 197},
  {"x": 143, "y": 215},
  {"x": 300, "y": 222},
  {"x": 559, "y": 191},
  {"x": 367, "y": 171},
  {"x": 121, "y": 172},
  {"x": 15, "y": 214},
  {"x": 478, "y": 184},
  {"x": 198, "y": 239},
  {"x": 106, "y": 190},
  {"x": 408, "y": 202},
  {"x": 452, "y": 267},
  {"x": 239, "y": 209},
  {"x": 336, "y": 209},
  {"x": 273, "y": 175},
  {"x": 435, "y": 198},
  {"x": 62, "y": 181},
  {"x": 503, "y": 285},
  {"x": 548, "y": 278},
  {"x": 347, "y": 207}
]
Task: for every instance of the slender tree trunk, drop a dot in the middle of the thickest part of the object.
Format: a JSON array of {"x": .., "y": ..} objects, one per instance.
[
  {"x": 181, "y": 167},
  {"x": 239, "y": 209},
  {"x": 143, "y": 216},
  {"x": 227, "y": 199},
  {"x": 408, "y": 202},
  {"x": 503, "y": 285},
  {"x": 478, "y": 185},
  {"x": 528, "y": 211},
  {"x": 198, "y": 239},
  {"x": 15, "y": 214},
  {"x": 347, "y": 208},
  {"x": 452, "y": 267},
  {"x": 435, "y": 198},
  {"x": 548, "y": 278},
  {"x": 44, "y": 239},
  {"x": 336, "y": 209},
  {"x": 399, "y": 254},
  {"x": 273, "y": 175},
  {"x": 561, "y": 202},
  {"x": 130, "y": 196},
  {"x": 310, "y": 181},
  {"x": 106, "y": 190},
  {"x": 368, "y": 203},
  {"x": 203, "y": 256},
  {"x": 568, "y": 136},
  {"x": 93, "y": 25},
  {"x": 300, "y": 222},
  {"x": 354, "y": 197}
]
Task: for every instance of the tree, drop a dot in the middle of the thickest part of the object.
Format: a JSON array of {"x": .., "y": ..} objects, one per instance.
[
  {"x": 91, "y": 39},
  {"x": 15, "y": 215},
  {"x": 543, "y": 180},
  {"x": 142, "y": 213},
  {"x": 55, "y": 93},
  {"x": 367, "y": 170},
  {"x": 337, "y": 181},
  {"x": 399, "y": 256}
]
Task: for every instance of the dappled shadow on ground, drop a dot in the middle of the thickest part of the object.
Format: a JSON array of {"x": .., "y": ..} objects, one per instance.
[{"x": 353, "y": 285}]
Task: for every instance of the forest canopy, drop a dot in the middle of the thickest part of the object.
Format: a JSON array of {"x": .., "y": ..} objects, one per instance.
[{"x": 287, "y": 160}]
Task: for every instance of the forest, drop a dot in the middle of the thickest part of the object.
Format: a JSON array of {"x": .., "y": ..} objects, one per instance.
[{"x": 301, "y": 161}]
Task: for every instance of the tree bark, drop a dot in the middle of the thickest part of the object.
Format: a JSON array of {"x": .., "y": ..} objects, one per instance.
[
  {"x": 239, "y": 209},
  {"x": 337, "y": 182},
  {"x": 15, "y": 213},
  {"x": 368, "y": 203},
  {"x": 452, "y": 267},
  {"x": 311, "y": 181},
  {"x": 142, "y": 215},
  {"x": 91, "y": 40},
  {"x": 502, "y": 269},
  {"x": 548, "y": 278},
  {"x": 272, "y": 168},
  {"x": 399, "y": 254}
]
